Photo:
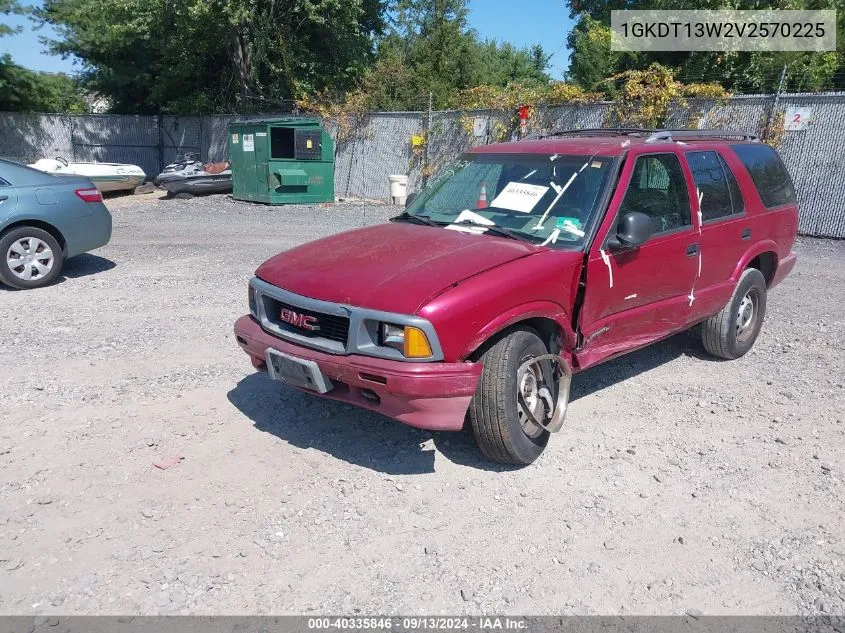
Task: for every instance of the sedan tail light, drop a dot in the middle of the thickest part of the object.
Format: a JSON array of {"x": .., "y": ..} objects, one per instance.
[{"x": 89, "y": 195}]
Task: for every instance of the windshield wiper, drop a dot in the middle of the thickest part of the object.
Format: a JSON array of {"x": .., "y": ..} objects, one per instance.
[
  {"x": 490, "y": 228},
  {"x": 419, "y": 219}
]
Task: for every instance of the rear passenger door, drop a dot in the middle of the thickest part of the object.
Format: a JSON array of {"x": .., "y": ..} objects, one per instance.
[
  {"x": 725, "y": 230},
  {"x": 636, "y": 296}
]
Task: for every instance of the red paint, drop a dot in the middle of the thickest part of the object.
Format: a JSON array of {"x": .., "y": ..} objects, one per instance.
[
  {"x": 392, "y": 267},
  {"x": 472, "y": 287},
  {"x": 426, "y": 395}
]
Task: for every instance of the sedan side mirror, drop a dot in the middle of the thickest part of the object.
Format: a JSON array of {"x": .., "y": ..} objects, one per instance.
[
  {"x": 409, "y": 199},
  {"x": 634, "y": 230}
]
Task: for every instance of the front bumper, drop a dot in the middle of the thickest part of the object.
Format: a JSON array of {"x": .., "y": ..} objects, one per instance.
[{"x": 425, "y": 395}]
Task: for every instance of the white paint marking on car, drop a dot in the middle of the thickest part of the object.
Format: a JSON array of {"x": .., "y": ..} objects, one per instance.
[{"x": 609, "y": 267}]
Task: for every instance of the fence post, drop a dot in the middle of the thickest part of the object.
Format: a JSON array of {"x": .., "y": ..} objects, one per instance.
[
  {"x": 73, "y": 137},
  {"x": 427, "y": 141},
  {"x": 768, "y": 129},
  {"x": 160, "y": 143}
]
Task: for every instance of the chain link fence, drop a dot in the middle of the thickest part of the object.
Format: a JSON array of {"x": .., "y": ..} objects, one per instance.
[{"x": 418, "y": 144}]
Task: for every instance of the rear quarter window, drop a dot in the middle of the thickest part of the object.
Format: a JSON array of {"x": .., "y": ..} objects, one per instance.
[{"x": 767, "y": 173}]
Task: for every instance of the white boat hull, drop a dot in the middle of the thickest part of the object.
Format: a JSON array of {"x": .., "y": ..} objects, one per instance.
[{"x": 104, "y": 176}]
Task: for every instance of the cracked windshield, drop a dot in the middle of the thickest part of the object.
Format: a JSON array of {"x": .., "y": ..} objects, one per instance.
[{"x": 544, "y": 199}]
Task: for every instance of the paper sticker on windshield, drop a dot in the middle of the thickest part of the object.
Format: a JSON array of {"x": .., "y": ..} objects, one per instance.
[
  {"x": 518, "y": 196},
  {"x": 470, "y": 216}
]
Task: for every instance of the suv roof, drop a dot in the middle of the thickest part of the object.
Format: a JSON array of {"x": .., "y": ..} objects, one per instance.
[{"x": 612, "y": 141}]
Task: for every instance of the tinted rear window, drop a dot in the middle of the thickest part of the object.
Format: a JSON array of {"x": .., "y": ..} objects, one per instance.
[{"x": 768, "y": 173}]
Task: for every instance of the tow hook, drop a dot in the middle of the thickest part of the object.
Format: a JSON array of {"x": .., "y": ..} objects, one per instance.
[{"x": 552, "y": 416}]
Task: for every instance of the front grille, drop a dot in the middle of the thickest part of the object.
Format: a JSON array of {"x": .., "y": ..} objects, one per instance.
[{"x": 332, "y": 327}]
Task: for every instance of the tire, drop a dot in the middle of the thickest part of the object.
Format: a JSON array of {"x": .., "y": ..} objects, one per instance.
[
  {"x": 494, "y": 412},
  {"x": 15, "y": 245},
  {"x": 732, "y": 332}
]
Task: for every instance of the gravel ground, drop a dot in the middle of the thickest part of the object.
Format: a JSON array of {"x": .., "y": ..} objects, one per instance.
[{"x": 679, "y": 484}]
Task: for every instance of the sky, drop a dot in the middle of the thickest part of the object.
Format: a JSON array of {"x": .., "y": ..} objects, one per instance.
[{"x": 543, "y": 22}]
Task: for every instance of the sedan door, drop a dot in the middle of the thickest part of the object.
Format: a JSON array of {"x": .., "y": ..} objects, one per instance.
[
  {"x": 8, "y": 200},
  {"x": 635, "y": 296}
]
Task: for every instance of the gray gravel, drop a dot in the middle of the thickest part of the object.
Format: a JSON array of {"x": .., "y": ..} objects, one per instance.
[{"x": 679, "y": 484}]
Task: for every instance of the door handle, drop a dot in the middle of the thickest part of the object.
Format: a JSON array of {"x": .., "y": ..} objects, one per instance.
[
  {"x": 692, "y": 249},
  {"x": 746, "y": 234}
]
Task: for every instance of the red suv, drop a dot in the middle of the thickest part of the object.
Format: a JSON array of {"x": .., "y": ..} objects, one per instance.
[{"x": 523, "y": 263}]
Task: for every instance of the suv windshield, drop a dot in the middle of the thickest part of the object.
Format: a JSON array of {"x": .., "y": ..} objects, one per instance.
[{"x": 540, "y": 198}]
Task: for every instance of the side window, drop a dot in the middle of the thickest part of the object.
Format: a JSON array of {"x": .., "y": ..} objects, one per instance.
[
  {"x": 659, "y": 190},
  {"x": 718, "y": 191},
  {"x": 736, "y": 193},
  {"x": 768, "y": 174}
]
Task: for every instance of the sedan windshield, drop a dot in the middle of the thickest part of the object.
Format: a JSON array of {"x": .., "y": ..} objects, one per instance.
[{"x": 543, "y": 199}]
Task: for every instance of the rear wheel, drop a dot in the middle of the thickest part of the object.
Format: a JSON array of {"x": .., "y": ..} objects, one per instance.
[
  {"x": 732, "y": 332},
  {"x": 508, "y": 402},
  {"x": 31, "y": 258}
]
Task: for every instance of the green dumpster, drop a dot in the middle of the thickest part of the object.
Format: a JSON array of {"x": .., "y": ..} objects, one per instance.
[{"x": 286, "y": 160}]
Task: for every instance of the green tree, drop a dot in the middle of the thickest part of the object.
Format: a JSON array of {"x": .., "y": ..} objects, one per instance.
[
  {"x": 738, "y": 72},
  {"x": 193, "y": 56},
  {"x": 431, "y": 49},
  {"x": 10, "y": 7},
  {"x": 22, "y": 90},
  {"x": 591, "y": 62}
]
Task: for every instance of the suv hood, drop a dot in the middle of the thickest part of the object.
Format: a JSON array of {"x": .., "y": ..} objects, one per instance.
[{"x": 394, "y": 267}]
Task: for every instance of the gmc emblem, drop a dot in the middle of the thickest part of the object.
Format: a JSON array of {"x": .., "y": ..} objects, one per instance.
[{"x": 302, "y": 321}]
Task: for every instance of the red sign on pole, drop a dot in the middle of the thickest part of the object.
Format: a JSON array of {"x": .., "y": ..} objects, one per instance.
[{"x": 523, "y": 118}]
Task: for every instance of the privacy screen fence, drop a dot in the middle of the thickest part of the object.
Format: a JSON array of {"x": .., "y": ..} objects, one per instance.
[{"x": 807, "y": 130}]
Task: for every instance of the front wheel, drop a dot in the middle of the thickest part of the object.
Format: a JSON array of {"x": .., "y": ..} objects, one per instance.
[
  {"x": 511, "y": 397},
  {"x": 31, "y": 258},
  {"x": 732, "y": 332}
]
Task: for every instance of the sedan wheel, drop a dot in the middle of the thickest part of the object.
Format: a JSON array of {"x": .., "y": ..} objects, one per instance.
[{"x": 31, "y": 258}]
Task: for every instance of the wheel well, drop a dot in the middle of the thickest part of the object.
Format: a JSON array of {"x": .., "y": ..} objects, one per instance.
[
  {"x": 52, "y": 230},
  {"x": 766, "y": 263},
  {"x": 546, "y": 329}
]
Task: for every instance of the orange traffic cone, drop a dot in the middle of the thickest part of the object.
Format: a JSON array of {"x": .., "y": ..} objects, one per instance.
[{"x": 482, "y": 197}]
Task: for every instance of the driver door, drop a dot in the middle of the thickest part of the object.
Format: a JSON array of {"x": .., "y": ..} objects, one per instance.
[{"x": 639, "y": 295}]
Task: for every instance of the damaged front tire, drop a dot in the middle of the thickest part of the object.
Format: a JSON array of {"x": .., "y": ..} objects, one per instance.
[{"x": 521, "y": 397}]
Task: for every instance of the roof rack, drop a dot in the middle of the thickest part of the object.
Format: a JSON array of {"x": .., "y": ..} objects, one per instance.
[
  {"x": 652, "y": 136},
  {"x": 602, "y": 131},
  {"x": 674, "y": 135}
]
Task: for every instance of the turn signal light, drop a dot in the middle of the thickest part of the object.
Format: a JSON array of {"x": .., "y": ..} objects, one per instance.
[{"x": 416, "y": 343}]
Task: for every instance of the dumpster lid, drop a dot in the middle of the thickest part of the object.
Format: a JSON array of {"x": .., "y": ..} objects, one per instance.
[{"x": 284, "y": 120}]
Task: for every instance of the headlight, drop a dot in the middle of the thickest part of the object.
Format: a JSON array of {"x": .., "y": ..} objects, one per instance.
[
  {"x": 253, "y": 303},
  {"x": 411, "y": 341}
]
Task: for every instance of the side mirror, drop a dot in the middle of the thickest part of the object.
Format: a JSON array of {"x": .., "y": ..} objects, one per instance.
[
  {"x": 634, "y": 230},
  {"x": 409, "y": 199}
]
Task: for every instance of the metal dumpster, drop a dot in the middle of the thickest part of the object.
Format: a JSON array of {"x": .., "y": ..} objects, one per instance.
[{"x": 287, "y": 160}]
